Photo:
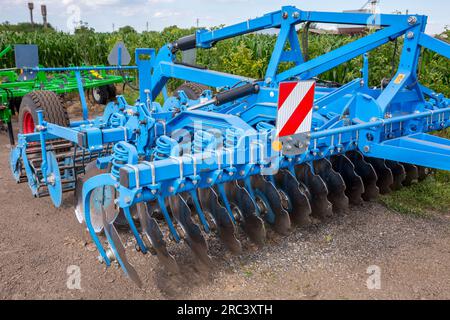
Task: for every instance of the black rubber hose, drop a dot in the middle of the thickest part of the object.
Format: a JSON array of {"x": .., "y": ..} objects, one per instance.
[
  {"x": 185, "y": 43},
  {"x": 239, "y": 92}
]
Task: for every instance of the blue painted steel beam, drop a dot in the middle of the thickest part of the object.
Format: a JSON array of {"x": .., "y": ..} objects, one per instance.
[
  {"x": 421, "y": 149},
  {"x": 435, "y": 45}
]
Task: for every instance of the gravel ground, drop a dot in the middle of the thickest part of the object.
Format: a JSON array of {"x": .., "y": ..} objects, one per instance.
[{"x": 328, "y": 260}]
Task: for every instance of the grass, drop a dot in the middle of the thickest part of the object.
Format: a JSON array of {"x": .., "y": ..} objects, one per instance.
[{"x": 425, "y": 198}]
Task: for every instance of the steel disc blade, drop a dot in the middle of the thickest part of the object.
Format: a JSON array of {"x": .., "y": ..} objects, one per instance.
[
  {"x": 335, "y": 185},
  {"x": 318, "y": 192},
  {"x": 55, "y": 186},
  {"x": 102, "y": 198},
  {"x": 118, "y": 249},
  {"x": 423, "y": 173},
  {"x": 194, "y": 237},
  {"x": 398, "y": 172},
  {"x": 242, "y": 202},
  {"x": 412, "y": 174},
  {"x": 300, "y": 208},
  {"x": 282, "y": 221},
  {"x": 15, "y": 163},
  {"x": 354, "y": 183},
  {"x": 78, "y": 196},
  {"x": 385, "y": 176},
  {"x": 225, "y": 227},
  {"x": 368, "y": 174},
  {"x": 154, "y": 235}
]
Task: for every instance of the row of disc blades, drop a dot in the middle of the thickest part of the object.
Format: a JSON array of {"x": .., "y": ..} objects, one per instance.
[{"x": 283, "y": 201}]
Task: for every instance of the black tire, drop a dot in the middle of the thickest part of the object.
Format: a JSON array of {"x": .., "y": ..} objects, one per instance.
[
  {"x": 49, "y": 102},
  {"x": 101, "y": 95},
  {"x": 112, "y": 91},
  {"x": 192, "y": 90}
]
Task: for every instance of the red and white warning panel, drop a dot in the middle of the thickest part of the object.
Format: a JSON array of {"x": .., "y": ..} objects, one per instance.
[{"x": 294, "y": 116}]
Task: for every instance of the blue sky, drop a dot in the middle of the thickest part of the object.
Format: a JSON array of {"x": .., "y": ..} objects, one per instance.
[{"x": 101, "y": 14}]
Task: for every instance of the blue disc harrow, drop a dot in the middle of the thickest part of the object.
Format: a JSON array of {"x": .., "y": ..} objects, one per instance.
[{"x": 232, "y": 156}]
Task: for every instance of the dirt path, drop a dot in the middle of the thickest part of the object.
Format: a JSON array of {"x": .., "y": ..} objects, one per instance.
[{"x": 326, "y": 261}]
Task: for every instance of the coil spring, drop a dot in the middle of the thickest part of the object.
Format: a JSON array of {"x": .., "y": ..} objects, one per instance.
[
  {"x": 117, "y": 120},
  {"x": 264, "y": 126},
  {"x": 165, "y": 147},
  {"x": 203, "y": 141},
  {"x": 232, "y": 137},
  {"x": 120, "y": 158}
]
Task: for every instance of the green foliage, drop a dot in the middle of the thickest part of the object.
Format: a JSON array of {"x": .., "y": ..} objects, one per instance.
[
  {"x": 421, "y": 199},
  {"x": 25, "y": 27},
  {"x": 127, "y": 29},
  {"x": 246, "y": 55}
]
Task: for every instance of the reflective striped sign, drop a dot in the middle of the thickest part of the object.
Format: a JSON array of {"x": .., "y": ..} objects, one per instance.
[{"x": 295, "y": 105}]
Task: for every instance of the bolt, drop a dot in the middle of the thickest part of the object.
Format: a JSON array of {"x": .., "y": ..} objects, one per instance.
[
  {"x": 127, "y": 199},
  {"x": 366, "y": 149},
  {"x": 242, "y": 173},
  {"x": 410, "y": 35},
  {"x": 171, "y": 189},
  {"x": 268, "y": 80},
  {"x": 285, "y": 15},
  {"x": 182, "y": 185},
  {"x": 231, "y": 173},
  {"x": 153, "y": 191},
  {"x": 412, "y": 20},
  {"x": 209, "y": 180},
  {"x": 296, "y": 15},
  {"x": 316, "y": 108}
]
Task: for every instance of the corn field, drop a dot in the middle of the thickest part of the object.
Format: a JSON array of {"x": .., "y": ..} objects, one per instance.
[{"x": 246, "y": 55}]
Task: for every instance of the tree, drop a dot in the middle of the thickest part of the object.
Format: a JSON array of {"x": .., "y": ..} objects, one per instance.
[{"x": 127, "y": 29}]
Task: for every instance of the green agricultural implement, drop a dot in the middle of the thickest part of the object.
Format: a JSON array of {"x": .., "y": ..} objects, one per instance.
[{"x": 15, "y": 83}]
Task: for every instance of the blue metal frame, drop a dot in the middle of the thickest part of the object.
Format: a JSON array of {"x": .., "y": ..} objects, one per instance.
[{"x": 389, "y": 123}]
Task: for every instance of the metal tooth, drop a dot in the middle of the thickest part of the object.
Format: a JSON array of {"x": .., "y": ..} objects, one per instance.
[
  {"x": 300, "y": 208},
  {"x": 266, "y": 192},
  {"x": 318, "y": 192},
  {"x": 119, "y": 250},
  {"x": 194, "y": 237},
  {"x": 243, "y": 205},
  {"x": 154, "y": 235},
  {"x": 398, "y": 172},
  {"x": 209, "y": 201},
  {"x": 412, "y": 174},
  {"x": 368, "y": 174},
  {"x": 335, "y": 185},
  {"x": 354, "y": 183},
  {"x": 385, "y": 176}
]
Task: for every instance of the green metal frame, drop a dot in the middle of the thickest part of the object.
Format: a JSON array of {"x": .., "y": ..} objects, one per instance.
[{"x": 11, "y": 87}]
